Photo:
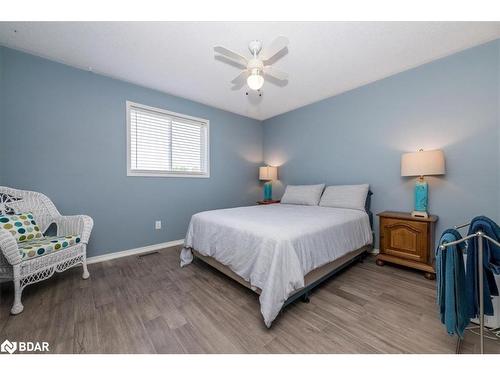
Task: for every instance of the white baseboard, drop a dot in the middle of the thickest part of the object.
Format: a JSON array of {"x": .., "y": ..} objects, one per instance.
[
  {"x": 150, "y": 248},
  {"x": 138, "y": 250}
]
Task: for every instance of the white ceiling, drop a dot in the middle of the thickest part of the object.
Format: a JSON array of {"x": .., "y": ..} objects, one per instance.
[{"x": 323, "y": 59}]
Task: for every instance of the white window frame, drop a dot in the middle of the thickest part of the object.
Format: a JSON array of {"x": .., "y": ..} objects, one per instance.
[{"x": 145, "y": 173}]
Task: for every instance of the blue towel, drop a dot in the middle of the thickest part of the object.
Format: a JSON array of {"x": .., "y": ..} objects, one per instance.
[
  {"x": 450, "y": 272},
  {"x": 491, "y": 266}
]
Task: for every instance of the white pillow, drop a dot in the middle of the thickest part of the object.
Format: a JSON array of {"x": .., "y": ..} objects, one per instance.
[
  {"x": 308, "y": 195},
  {"x": 345, "y": 196}
]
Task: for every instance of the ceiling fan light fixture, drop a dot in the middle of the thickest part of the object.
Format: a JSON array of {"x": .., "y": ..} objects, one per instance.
[
  {"x": 255, "y": 80},
  {"x": 254, "y": 68}
]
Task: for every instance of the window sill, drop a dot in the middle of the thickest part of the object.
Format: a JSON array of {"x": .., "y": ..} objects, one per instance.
[{"x": 175, "y": 175}]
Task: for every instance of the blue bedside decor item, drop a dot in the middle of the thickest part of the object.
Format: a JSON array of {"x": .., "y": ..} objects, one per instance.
[
  {"x": 422, "y": 163},
  {"x": 268, "y": 191},
  {"x": 421, "y": 194},
  {"x": 268, "y": 174}
]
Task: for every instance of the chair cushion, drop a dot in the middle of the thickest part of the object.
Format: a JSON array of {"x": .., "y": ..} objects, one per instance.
[
  {"x": 22, "y": 226},
  {"x": 46, "y": 245}
]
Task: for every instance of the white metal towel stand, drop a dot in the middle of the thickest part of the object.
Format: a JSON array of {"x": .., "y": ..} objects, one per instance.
[{"x": 480, "y": 237}]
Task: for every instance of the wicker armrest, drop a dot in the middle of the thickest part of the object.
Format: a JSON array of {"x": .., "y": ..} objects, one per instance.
[
  {"x": 8, "y": 247},
  {"x": 77, "y": 224}
]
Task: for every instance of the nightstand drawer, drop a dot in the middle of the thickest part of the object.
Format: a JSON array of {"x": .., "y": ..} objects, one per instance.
[{"x": 404, "y": 239}]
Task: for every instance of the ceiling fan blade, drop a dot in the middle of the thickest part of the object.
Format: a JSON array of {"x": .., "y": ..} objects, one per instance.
[
  {"x": 236, "y": 57},
  {"x": 272, "y": 49},
  {"x": 275, "y": 73},
  {"x": 240, "y": 80}
]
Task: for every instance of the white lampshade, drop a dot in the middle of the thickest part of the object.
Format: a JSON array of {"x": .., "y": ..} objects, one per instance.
[
  {"x": 422, "y": 163},
  {"x": 268, "y": 173}
]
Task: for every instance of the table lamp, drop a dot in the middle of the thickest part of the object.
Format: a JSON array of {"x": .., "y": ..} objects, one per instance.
[
  {"x": 422, "y": 163},
  {"x": 268, "y": 174}
]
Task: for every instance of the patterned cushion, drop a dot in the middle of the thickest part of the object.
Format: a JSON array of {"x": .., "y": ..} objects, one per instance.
[
  {"x": 22, "y": 226},
  {"x": 46, "y": 245}
]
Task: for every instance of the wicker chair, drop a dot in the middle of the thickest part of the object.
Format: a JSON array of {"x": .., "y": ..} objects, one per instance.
[{"x": 23, "y": 272}]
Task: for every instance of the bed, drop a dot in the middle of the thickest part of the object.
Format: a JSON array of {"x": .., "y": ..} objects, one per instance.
[{"x": 280, "y": 251}]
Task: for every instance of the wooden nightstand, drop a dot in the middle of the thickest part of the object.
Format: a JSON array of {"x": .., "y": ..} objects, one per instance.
[
  {"x": 408, "y": 241},
  {"x": 268, "y": 202}
]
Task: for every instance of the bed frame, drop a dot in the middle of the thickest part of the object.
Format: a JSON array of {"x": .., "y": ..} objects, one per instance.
[{"x": 313, "y": 278}]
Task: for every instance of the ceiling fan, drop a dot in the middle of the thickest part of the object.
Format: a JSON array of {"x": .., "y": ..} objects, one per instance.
[{"x": 259, "y": 65}]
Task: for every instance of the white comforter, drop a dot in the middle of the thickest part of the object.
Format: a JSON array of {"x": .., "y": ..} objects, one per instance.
[{"x": 274, "y": 246}]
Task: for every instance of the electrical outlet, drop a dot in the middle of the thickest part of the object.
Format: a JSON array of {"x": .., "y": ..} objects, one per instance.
[{"x": 158, "y": 224}]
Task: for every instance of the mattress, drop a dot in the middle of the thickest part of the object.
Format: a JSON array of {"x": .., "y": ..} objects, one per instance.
[{"x": 274, "y": 246}]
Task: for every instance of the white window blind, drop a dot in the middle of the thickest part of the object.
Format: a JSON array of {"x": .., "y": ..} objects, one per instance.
[{"x": 163, "y": 143}]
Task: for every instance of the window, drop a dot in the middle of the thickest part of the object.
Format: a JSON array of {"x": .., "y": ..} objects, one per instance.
[{"x": 163, "y": 143}]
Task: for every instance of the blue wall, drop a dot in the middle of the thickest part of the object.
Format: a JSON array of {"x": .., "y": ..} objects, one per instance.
[
  {"x": 498, "y": 120},
  {"x": 1, "y": 106},
  {"x": 63, "y": 133},
  {"x": 359, "y": 136}
]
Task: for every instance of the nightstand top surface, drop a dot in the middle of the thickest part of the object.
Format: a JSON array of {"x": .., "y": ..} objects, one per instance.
[
  {"x": 271, "y": 201},
  {"x": 406, "y": 216}
]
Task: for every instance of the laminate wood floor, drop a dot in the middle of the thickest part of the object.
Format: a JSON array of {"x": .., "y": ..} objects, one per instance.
[{"x": 151, "y": 305}]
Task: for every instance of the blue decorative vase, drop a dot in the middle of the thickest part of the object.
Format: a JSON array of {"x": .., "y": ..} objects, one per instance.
[
  {"x": 268, "y": 191},
  {"x": 421, "y": 195}
]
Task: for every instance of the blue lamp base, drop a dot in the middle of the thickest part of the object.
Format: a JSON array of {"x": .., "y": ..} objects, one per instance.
[
  {"x": 421, "y": 198},
  {"x": 268, "y": 191}
]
